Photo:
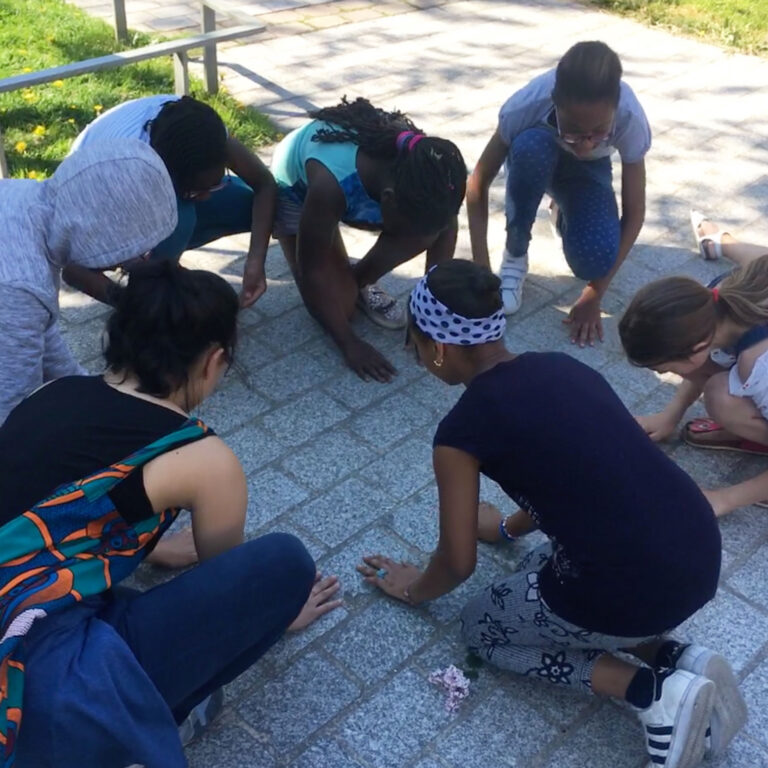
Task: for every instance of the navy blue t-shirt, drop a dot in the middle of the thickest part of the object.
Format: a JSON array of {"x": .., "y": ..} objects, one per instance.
[{"x": 636, "y": 544}]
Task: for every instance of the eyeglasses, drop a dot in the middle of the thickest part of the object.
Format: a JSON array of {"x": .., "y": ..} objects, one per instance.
[
  {"x": 215, "y": 188},
  {"x": 581, "y": 138}
]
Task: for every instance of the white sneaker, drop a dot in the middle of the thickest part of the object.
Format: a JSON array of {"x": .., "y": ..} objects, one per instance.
[
  {"x": 513, "y": 274},
  {"x": 676, "y": 722},
  {"x": 730, "y": 711}
]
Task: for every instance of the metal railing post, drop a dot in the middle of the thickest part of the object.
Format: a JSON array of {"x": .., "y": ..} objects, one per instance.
[
  {"x": 121, "y": 24},
  {"x": 210, "y": 65}
]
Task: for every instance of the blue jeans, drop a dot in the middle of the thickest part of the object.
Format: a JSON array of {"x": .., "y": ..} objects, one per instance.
[
  {"x": 589, "y": 219},
  {"x": 107, "y": 681},
  {"x": 226, "y": 212}
]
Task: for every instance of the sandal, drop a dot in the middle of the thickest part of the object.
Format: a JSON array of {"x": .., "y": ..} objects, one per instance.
[
  {"x": 694, "y": 430},
  {"x": 697, "y": 217}
]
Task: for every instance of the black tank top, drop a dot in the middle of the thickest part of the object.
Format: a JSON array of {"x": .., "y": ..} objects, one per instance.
[{"x": 70, "y": 428}]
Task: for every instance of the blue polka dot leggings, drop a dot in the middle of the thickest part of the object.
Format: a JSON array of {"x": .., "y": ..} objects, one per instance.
[{"x": 589, "y": 217}]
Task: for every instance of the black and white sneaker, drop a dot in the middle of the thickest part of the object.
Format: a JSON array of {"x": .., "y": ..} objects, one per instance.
[
  {"x": 729, "y": 714},
  {"x": 676, "y": 723}
]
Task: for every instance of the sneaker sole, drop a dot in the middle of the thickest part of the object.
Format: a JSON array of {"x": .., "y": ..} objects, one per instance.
[
  {"x": 730, "y": 711},
  {"x": 687, "y": 741}
]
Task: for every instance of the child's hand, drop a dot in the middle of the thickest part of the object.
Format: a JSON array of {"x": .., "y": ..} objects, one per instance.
[
  {"x": 658, "y": 426},
  {"x": 584, "y": 318},
  {"x": 390, "y": 577}
]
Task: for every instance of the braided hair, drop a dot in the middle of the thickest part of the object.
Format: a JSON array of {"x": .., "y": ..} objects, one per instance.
[
  {"x": 429, "y": 173},
  {"x": 190, "y": 137}
]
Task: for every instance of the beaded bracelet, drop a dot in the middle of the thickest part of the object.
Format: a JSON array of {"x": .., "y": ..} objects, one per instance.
[{"x": 503, "y": 530}]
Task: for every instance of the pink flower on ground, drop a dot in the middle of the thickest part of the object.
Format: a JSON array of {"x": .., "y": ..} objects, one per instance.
[{"x": 455, "y": 683}]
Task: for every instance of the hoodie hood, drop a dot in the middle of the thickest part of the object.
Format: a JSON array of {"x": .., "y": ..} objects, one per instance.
[{"x": 107, "y": 203}]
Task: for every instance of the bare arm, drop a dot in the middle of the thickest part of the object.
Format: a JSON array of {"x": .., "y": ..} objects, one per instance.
[
  {"x": 389, "y": 251},
  {"x": 632, "y": 218},
  {"x": 206, "y": 478},
  {"x": 91, "y": 282},
  {"x": 254, "y": 173},
  {"x": 453, "y": 562},
  {"x": 478, "y": 185},
  {"x": 584, "y": 317}
]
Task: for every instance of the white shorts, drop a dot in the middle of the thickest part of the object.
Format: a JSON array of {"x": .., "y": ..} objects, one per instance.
[{"x": 755, "y": 387}]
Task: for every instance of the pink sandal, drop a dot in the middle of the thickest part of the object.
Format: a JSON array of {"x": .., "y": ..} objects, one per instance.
[{"x": 693, "y": 431}]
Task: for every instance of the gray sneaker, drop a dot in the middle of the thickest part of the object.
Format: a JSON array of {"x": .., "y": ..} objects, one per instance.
[
  {"x": 201, "y": 717},
  {"x": 381, "y": 308}
]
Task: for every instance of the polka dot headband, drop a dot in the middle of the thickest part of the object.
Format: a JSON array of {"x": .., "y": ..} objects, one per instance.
[{"x": 441, "y": 324}]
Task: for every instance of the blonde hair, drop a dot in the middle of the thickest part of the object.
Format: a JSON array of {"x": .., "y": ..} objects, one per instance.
[{"x": 669, "y": 318}]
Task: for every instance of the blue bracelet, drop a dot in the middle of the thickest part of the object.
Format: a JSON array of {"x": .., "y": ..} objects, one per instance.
[{"x": 504, "y": 532}]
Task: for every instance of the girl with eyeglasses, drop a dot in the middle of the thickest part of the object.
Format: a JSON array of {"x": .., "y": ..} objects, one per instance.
[
  {"x": 93, "y": 471},
  {"x": 632, "y": 549},
  {"x": 198, "y": 152},
  {"x": 556, "y": 135}
]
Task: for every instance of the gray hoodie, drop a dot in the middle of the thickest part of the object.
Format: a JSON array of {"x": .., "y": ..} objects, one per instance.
[{"x": 104, "y": 205}]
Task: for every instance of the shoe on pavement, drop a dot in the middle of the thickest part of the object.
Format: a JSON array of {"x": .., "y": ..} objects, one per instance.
[
  {"x": 677, "y": 720},
  {"x": 730, "y": 711},
  {"x": 381, "y": 308},
  {"x": 201, "y": 716},
  {"x": 514, "y": 270}
]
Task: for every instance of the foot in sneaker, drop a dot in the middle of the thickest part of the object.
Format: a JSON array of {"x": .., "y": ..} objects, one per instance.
[
  {"x": 381, "y": 308},
  {"x": 514, "y": 270},
  {"x": 201, "y": 717},
  {"x": 676, "y": 722},
  {"x": 730, "y": 711}
]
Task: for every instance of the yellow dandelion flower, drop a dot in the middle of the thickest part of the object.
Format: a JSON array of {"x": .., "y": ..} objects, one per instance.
[
  {"x": 71, "y": 120},
  {"x": 26, "y": 69},
  {"x": 20, "y": 146},
  {"x": 39, "y": 130},
  {"x": 28, "y": 96},
  {"x": 58, "y": 83},
  {"x": 73, "y": 106},
  {"x": 32, "y": 175},
  {"x": 23, "y": 51},
  {"x": 97, "y": 108}
]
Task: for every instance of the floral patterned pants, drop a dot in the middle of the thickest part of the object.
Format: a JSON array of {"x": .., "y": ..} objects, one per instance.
[{"x": 510, "y": 626}]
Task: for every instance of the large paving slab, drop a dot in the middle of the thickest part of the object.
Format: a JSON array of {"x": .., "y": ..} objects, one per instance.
[{"x": 345, "y": 465}]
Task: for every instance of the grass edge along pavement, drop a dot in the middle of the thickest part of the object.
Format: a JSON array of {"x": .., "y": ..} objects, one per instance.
[
  {"x": 40, "y": 123},
  {"x": 738, "y": 25}
]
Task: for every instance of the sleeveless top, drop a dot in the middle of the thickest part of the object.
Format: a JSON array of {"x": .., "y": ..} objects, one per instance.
[{"x": 289, "y": 169}]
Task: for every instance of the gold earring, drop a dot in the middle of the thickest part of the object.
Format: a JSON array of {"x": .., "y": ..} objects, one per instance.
[{"x": 437, "y": 363}]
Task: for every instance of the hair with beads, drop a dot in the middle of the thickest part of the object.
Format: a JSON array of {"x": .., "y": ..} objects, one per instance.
[
  {"x": 164, "y": 320},
  {"x": 589, "y": 72},
  {"x": 191, "y": 138},
  {"x": 669, "y": 318},
  {"x": 429, "y": 173}
]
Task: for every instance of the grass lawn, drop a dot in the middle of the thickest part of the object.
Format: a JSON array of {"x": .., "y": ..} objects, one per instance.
[
  {"x": 39, "y": 123},
  {"x": 738, "y": 24}
]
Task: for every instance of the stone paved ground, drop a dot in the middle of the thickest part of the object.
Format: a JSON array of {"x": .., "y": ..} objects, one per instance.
[{"x": 346, "y": 465}]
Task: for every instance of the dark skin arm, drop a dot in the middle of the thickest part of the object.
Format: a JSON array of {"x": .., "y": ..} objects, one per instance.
[
  {"x": 389, "y": 251},
  {"x": 257, "y": 176},
  {"x": 90, "y": 281},
  {"x": 326, "y": 281},
  {"x": 458, "y": 482},
  {"x": 478, "y": 184},
  {"x": 584, "y": 317}
]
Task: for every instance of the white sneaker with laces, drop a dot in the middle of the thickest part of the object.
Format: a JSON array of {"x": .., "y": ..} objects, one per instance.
[
  {"x": 514, "y": 270},
  {"x": 730, "y": 711},
  {"x": 676, "y": 722}
]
